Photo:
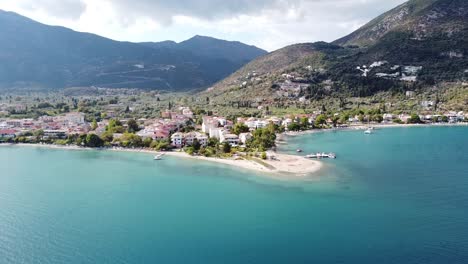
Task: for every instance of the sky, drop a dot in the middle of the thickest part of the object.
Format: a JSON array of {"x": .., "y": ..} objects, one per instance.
[{"x": 268, "y": 24}]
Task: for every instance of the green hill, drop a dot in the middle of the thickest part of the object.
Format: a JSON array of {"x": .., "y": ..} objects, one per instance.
[
  {"x": 421, "y": 45},
  {"x": 34, "y": 55}
]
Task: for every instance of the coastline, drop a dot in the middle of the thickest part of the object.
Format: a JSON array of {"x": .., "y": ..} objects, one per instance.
[
  {"x": 364, "y": 126},
  {"x": 286, "y": 165}
]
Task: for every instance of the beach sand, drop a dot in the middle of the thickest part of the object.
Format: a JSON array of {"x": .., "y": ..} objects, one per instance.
[{"x": 287, "y": 165}]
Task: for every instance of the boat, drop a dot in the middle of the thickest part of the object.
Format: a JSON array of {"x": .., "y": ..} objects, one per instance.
[
  {"x": 368, "y": 131},
  {"x": 299, "y": 150},
  {"x": 158, "y": 157}
]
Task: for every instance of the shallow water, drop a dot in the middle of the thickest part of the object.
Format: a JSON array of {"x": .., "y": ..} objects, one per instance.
[{"x": 397, "y": 196}]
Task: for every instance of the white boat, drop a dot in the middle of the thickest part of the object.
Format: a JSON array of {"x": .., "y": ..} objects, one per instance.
[
  {"x": 368, "y": 131},
  {"x": 158, "y": 157}
]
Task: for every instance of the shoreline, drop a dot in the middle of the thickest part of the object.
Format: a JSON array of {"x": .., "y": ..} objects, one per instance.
[
  {"x": 286, "y": 165},
  {"x": 365, "y": 126}
]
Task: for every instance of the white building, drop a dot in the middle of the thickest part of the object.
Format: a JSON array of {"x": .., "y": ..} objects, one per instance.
[
  {"x": 244, "y": 137},
  {"x": 232, "y": 139},
  {"x": 75, "y": 118},
  {"x": 177, "y": 140}
]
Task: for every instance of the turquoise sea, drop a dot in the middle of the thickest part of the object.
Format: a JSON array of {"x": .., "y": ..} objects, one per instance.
[{"x": 397, "y": 196}]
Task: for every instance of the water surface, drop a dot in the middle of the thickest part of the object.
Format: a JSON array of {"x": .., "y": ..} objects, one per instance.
[{"x": 397, "y": 196}]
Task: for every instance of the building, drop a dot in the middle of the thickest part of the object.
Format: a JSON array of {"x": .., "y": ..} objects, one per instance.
[
  {"x": 7, "y": 133},
  {"x": 202, "y": 139},
  {"x": 51, "y": 134},
  {"x": 189, "y": 139},
  {"x": 177, "y": 140},
  {"x": 75, "y": 118},
  {"x": 244, "y": 137},
  {"x": 232, "y": 139}
]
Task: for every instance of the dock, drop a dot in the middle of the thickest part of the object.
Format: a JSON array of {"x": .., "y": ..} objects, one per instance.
[{"x": 321, "y": 155}]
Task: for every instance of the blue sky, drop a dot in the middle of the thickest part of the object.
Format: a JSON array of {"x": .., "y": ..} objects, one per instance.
[{"x": 268, "y": 24}]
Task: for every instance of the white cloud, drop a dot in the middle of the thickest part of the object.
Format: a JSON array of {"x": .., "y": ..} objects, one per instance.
[{"x": 269, "y": 24}]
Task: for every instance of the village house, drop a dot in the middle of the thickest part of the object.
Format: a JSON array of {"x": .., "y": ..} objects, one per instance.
[
  {"x": 54, "y": 134},
  {"x": 254, "y": 123},
  {"x": 244, "y": 137},
  {"x": 177, "y": 140},
  {"x": 75, "y": 118},
  {"x": 189, "y": 138},
  {"x": 286, "y": 122},
  {"x": 215, "y": 126},
  {"x": 232, "y": 139},
  {"x": 8, "y": 133}
]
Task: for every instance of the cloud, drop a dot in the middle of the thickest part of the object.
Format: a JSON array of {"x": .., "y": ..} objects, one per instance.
[
  {"x": 164, "y": 11},
  {"x": 71, "y": 9},
  {"x": 269, "y": 24}
]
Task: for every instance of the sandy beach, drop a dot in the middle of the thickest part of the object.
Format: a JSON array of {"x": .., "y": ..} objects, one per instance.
[{"x": 288, "y": 165}]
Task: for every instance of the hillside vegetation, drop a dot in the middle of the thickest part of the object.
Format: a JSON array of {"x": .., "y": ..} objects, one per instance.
[
  {"x": 34, "y": 55},
  {"x": 420, "y": 46}
]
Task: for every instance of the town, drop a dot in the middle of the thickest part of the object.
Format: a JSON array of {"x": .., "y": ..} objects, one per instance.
[{"x": 207, "y": 135}]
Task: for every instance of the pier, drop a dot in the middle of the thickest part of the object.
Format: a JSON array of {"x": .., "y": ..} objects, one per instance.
[{"x": 321, "y": 155}]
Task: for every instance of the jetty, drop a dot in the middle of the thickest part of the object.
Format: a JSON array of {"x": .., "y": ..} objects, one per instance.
[{"x": 321, "y": 155}]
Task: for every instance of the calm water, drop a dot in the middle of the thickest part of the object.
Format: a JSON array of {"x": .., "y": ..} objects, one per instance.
[{"x": 397, "y": 196}]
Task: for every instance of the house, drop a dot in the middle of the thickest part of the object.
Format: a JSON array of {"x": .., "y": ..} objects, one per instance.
[
  {"x": 244, "y": 137},
  {"x": 13, "y": 123},
  {"x": 287, "y": 122},
  {"x": 388, "y": 117},
  {"x": 49, "y": 134},
  {"x": 189, "y": 138},
  {"x": 232, "y": 139},
  {"x": 7, "y": 133},
  {"x": 192, "y": 136},
  {"x": 410, "y": 94},
  {"x": 160, "y": 135},
  {"x": 75, "y": 118},
  {"x": 187, "y": 112},
  {"x": 177, "y": 140},
  {"x": 253, "y": 123},
  {"x": 202, "y": 139}
]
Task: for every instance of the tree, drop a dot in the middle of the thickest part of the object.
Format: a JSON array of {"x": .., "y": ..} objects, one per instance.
[
  {"x": 226, "y": 147},
  {"x": 304, "y": 122},
  {"x": 213, "y": 142},
  {"x": 131, "y": 140},
  {"x": 107, "y": 136},
  {"x": 38, "y": 134},
  {"x": 190, "y": 150},
  {"x": 414, "y": 119},
  {"x": 320, "y": 120},
  {"x": 115, "y": 126},
  {"x": 147, "y": 142},
  {"x": 196, "y": 145},
  {"x": 240, "y": 128},
  {"x": 94, "y": 141},
  {"x": 294, "y": 127},
  {"x": 335, "y": 120},
  {"x": 94, "y": 125},
  {"x": 132, "y": 126},
  {"x": 377, "y": 118},
  {"x": 264, "y": 155}
]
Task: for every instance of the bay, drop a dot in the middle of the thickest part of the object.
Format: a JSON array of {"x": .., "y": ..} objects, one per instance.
[{"x": 396, "y": 196}]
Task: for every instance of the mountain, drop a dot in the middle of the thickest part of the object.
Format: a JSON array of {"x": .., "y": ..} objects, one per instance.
[
  {"x": 208, "y": 47},
  {"x": 35, "y": 55},
  {"x": 416, "y": 46}
]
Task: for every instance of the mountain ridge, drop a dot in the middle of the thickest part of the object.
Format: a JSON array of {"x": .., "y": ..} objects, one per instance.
[
  {"x": 425, "y": 47},
  {"x": 39, "y": 55}
]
